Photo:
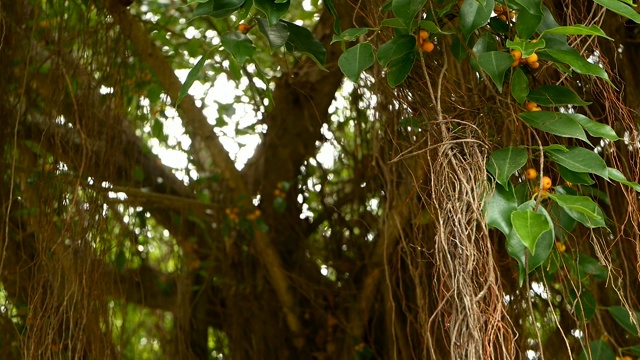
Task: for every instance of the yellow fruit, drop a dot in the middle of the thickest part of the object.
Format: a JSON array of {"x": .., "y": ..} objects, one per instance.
[
  {"x": 428, "y": 46},
  {"x": 531, "y": 174},
  {"x": 530, "y": 105},
  {"x": 533, "y": 58},
  {"x": 560, "y": 246},
  {"x": 512, "y": 15},
  {"x": 424, "y": 35},
  {"x": 534, "y": 65},
  {"x": 546, "y": 183},
  {"x": 515, "y": 63},
  {"x": 502, "y": 17},
  {"x": 504, "y": 9},
  {"x": 517, "y": 54}
]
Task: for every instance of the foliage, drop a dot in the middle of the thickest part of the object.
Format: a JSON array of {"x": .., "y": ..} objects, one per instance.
[{"x": 466, "y": 233}]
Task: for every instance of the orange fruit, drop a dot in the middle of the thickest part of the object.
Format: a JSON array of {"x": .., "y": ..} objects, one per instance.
[
  {"x": 424, "y": 35},
  {"x": 533, "y": 58},
  {"x": 428, "y": 46},
  {"x": 244, "y": 28},
  {"x": 517, "y": 54},
  {"x": 502, "y": 17},
  {"x": 560, "y": 246},
  {"x": 546, "y": 183},
  {"x": 530, "y": 105},
  {"x": 534, "y": 65},
  {"x": 531, "y": 174}
]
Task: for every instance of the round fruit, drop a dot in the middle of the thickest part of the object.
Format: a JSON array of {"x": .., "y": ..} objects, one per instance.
[
  {"x": 502, "y": 17},
  {"x": 533, "y": 58},
  {"x": 424, "y": 35},
  {"x": 244, "y": 28},
  {"x": 531, "y": 174},
  {"x": 428, "y": 46},
  {"x": 517, "y": 54},
  {"x": 530, "y": 105},
  {"x": 546, "y": 183},
  {"x": 560, "y": 246},
  {"x": 534, "y": 65}
]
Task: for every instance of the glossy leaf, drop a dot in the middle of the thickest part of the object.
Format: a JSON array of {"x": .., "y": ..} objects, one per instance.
[
  {"x": 616, "y": 175},
  {"x": 595, "y": 128},
  {"x": 591, "y": 266},
  {"x": 623, "y": 318},
  {"x": 527, "y": 23},
  {"x": 328, "y": 4},
  {"x": 474, "y": 14},
  {"x": 432, "y": 28},
  {"x": 620, "y": 8},
  {"x": 580, "y": 160},
  {"x": 392, "y": 23},
  {"x": 498, "y": 208},
  {"x": 526, "y": 47},
  {"x": 599, "y": 350},
  {"x": 191, "y": 78},
  {"x": 555, "y": 95},
  {"x": 486, "y": 43},
  {"x": 218, "y": 8},
  {"x": 406, "y": 10},
  {"x": 355, "y": 60},
  {"x": 495, "y": 64},
  {"x": 519, "y": 85},
  {"x": 532, "y": 6},
  {"x": 554, "y": 123},
  {"x": 272, "y": 9},
  {"x": 577, "y": 62},
  {"x": 578, "y": 30},
  {"x": 400, "y": 68},
  {"x": 350, "y": 34},
  {"x": 529, "y": 226},
  {"x": 504, "y": 162},
  {"x": 277, "y": 34},
  {"x": 239, "y": 45},
  {"x": 301, "y": 40},
  {"x": 396, "y": 48},
  {"x": 582, "y": 204},
  {"x": 574, "y": 177}
]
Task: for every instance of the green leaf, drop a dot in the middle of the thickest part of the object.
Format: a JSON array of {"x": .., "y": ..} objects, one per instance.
[
  {"x": 633, "y": 350},
  {"x": 191, "y": 78},
  {"x": 529, "y": 226},
  {"x": 620, "y": 8},
  {"x": 474, "y": 14},
  {"x": 580, "y": 160},
  {"x": 555, "y": 95},
  {"x": 392, "y": 23},
  {"x": 279, "y": 204},
  {"x": 432, "y": 28},
  {"x": 577, "y": 62},
  {"x": 486, "y": 43},
  {"x": 301, "y": 40},
  {"x": 616, "y": 175},
  {"x": 532, "y": 6},
  {"x": 582, "y": 204},
  {"x": 527, "y": 23},
  {"x": 518, "y": 251},
  {"x": 574, "y": 177},
  {"x": 355, "y": 60},
  {"x": 272, "y": 9},
  {"x": 589, "y": 265},
  {"x": 504, "y": 162},
  {"x": 239, "y": 45},
  {"x": 584, "y": 306},
  {"x": 406, "y": 10},
  {"x": 554, "y": 123},
  {"x": 218, "y": 8},
  {"x": 495, "y": 64},
  {"x": 578, "y": 30},
  {"x": 595, "y": 128},
  {"x": 396, "y": 48},
  {"x": 400, "y": 68},
  {"x": 350, "y": 34},
  {"x": 599, "y": 351},
  {"x": 336, "y": 18},
  {"x": 623, "y": 318},
  {"x": 277, "y": 34},
  {"x": 498, "y": 209},
  {"x": 519, "y": 85}
]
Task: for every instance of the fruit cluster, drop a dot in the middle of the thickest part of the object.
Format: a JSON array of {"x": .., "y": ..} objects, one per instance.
[
  {"x": 531, "y": 61},
  {"x": 504, "y": 13},
  {"x": 531, "y": 106},
  {"x": 423, "y": 41}
]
